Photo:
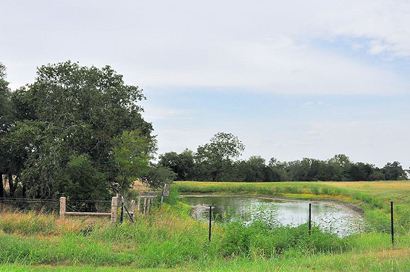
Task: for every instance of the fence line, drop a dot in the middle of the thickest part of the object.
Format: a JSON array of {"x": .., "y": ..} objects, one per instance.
[{"x": 143, "y": 206}]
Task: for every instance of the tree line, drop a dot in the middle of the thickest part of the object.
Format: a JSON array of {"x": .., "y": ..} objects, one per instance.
[
  {"x": 75, "y": 131},
  {"x": 218, "y": 161}
]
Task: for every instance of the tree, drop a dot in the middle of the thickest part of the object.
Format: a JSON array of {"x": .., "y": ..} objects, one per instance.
[
  {"x": 76, "y": 115},
  {"x": 181, "y": 164},
  {"x": 394, "y": 171},
  {"x": 17, "y": 145},
  {"x": 340, "y": 164},
  {"x": 216, "y": 156},
  {"x": 360, "y": 171},
  {"x": 82, "y": 182},
  {"x": 253, "y": 169},
  {"x": 279, "y": 170},
  {"x": 132, "y": 154},
  {"x": 6, "y": 113},
  {"x": 5, "y": 120},
  {"x": 157, "y": 176}
]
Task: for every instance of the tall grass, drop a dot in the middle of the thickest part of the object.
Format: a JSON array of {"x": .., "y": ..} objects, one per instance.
[
  {"x": 163, "y": 239},
  {"x": 169, "y": 237}
]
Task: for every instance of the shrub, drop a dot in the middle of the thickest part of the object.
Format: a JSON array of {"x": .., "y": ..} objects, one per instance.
[{"x": 258, "y": 239}]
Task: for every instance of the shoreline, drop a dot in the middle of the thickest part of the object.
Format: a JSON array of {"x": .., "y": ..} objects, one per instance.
[{"x": 349, "y": 205}]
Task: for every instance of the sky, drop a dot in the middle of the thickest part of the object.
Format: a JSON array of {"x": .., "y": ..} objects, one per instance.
[{"x": 291, "y": 79}]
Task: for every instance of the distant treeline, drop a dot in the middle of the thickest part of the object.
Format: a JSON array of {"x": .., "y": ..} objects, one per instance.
[{"x": 217, "y": 161}]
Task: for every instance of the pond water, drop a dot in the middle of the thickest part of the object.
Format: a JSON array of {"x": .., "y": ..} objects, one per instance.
[{"x": 329, "y": 216}]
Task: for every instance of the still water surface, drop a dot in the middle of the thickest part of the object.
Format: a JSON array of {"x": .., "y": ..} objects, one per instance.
[{"x": 329, "y": 216}]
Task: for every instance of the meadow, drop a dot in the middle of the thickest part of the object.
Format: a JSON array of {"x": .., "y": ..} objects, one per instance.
[{"x": 169, "y": 240}]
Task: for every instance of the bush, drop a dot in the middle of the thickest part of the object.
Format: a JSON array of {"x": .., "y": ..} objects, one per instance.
[{"x": 258, "y": 239}]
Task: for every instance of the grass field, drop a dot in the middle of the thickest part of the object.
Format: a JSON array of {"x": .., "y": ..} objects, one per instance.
[{"x": 169, "y": 240}]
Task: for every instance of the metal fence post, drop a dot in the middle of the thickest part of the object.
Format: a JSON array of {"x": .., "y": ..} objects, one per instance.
[
  {"x": 210, "y": 224},
  {"x": 392, "y": 222},
  {"x": 63, "y": 203},
  {"x": 114, "y": 209},
  {"x": 132, "y": 209},
  {"x": 310, "y": 218}
]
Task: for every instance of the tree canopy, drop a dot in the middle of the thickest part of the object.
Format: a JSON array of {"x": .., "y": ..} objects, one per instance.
[{"x": 75, "y": 130}]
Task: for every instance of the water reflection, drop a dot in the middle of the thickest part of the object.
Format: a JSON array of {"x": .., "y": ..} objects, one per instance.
[{"x": 329, "y": 216}]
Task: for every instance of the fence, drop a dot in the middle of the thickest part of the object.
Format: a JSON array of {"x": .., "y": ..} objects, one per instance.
[
  {"x": 28, "y": 204},
  {"x": 113, "y": 209},
  {"x": 143, "y": 206}
]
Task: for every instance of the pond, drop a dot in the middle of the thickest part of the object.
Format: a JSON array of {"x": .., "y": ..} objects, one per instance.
[{"x": 329, "y": 216}]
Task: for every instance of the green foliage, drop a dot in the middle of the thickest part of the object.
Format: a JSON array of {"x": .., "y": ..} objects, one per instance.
[
  {"x": 181, "y": 164},
  {"x": 132, "y": 153},
  {"x": 393, "y": 171},
  {"x": 157, "y": 176},
  {"x": 216, "y": 156},
  {"x": 258, "y": 239},
  {"x": 173, "y": 197},
  {"x": 74, "y": 117},
  {"x": 83, "y": 180},
  {"x": 6, "y": 112},
  {"x": 208, "y": 164}
]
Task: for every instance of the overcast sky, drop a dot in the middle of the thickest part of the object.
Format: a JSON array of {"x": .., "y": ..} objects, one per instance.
[{"x": 291, "y": 79}]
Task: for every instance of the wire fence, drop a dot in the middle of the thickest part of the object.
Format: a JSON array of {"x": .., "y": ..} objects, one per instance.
[
  {"x": 28, "y": 204},
  {"x": 52, "y": 205},
  {"x": 88, "y": 205},
  {"x": 334, "y": 221}
]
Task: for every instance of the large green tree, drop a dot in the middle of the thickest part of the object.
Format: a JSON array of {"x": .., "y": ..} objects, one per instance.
[
  {"x": 5, "y": 121},
  {"x": 132, "y": 154},
  {"x": 216, "y": 156},
  {"x": 394, "y": 171},
  {"x": 71, "y": 119},
  {"x": 181, "y": 164},
  {"x": 6, "y": 114}
]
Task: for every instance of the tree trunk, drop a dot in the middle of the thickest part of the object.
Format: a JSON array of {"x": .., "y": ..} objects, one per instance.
[
  {"x": 214, "y": 175},
  {"x": 1, "y": 187},
  {"x": 11, "y": 185},
  {"x": 24, "y": 190}
]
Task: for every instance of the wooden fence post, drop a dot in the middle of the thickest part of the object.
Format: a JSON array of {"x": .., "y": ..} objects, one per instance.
[
  {"x": 145, "y": 206},
  {"x": 139, "y": 203},
  {"x": 62, "y": 207},
  {"x": 114, "y": 209}
]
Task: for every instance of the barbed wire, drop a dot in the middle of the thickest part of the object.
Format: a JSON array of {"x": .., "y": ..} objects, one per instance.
[{"x": 27, "y": 199}]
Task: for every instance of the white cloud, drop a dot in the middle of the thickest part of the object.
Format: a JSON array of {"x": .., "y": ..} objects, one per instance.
[
  {"x": 255, "y": 46},
  {"x": 155, "y": 113},
  {"x": 279, "y": 67},
  {"x": 261, "y": 46}
]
